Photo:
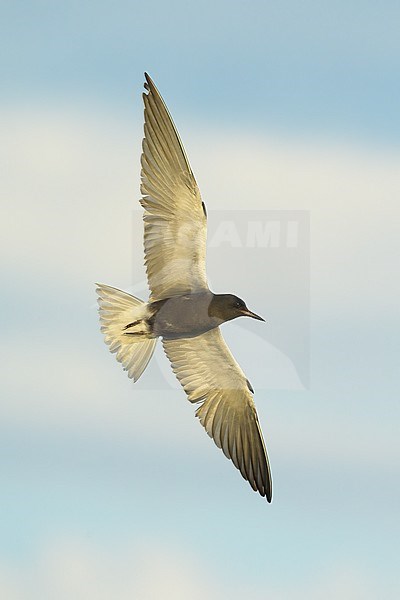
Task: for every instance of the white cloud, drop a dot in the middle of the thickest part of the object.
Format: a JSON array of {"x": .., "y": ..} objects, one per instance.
[
  {"x": 63, "y": 386},
  {"x": 68, "y": 390},
  {"x": 68, "y": 187},
  {"x": 352, "y": 194},
  {"x": 150, "y": 570},
  {"x": 70, "y": 183},
  {"x": 74, "y": 568}
]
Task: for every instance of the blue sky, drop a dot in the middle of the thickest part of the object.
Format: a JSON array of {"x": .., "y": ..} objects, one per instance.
[
  {"x": 115, "y": 491},
  {"x": 309, "y": 65}
]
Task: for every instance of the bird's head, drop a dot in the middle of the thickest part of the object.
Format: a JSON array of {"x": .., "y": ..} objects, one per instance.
[{"x": 227, "y": 307}]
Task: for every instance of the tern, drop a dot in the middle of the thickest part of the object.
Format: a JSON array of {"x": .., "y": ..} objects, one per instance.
[{"x": 182, "y": 310}]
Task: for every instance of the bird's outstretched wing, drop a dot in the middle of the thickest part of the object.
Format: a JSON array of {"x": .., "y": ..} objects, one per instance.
[
  {"x": 209, "y": 374},
  {"x": 175, "y": 223}
]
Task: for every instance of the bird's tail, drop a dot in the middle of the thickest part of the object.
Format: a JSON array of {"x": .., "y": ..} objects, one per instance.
[{"x": 124, "y": 325}]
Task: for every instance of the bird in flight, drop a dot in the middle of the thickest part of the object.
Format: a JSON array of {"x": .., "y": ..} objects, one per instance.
[{"x": 182, "y": 310}]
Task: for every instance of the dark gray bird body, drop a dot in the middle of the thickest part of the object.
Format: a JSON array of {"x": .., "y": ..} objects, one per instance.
[
  {"x": 191, "y": 315},
  {"x": 182, "y": 316}
]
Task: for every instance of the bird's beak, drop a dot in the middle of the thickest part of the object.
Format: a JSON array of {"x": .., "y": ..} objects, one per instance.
[{"x": 247, "y": 313}]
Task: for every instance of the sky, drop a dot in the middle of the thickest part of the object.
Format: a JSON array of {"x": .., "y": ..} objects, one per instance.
[{"x": 289, "y": 113}]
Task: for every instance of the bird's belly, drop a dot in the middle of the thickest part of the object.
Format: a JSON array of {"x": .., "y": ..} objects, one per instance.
[{"x": 182, "y": 317}]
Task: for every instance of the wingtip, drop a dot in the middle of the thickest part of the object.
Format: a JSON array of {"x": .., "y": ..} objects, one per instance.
[
  {"x": 149, "y": 83},
  {"x": 268, "y": 491},
  {"x": 268, "y": 488}
]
